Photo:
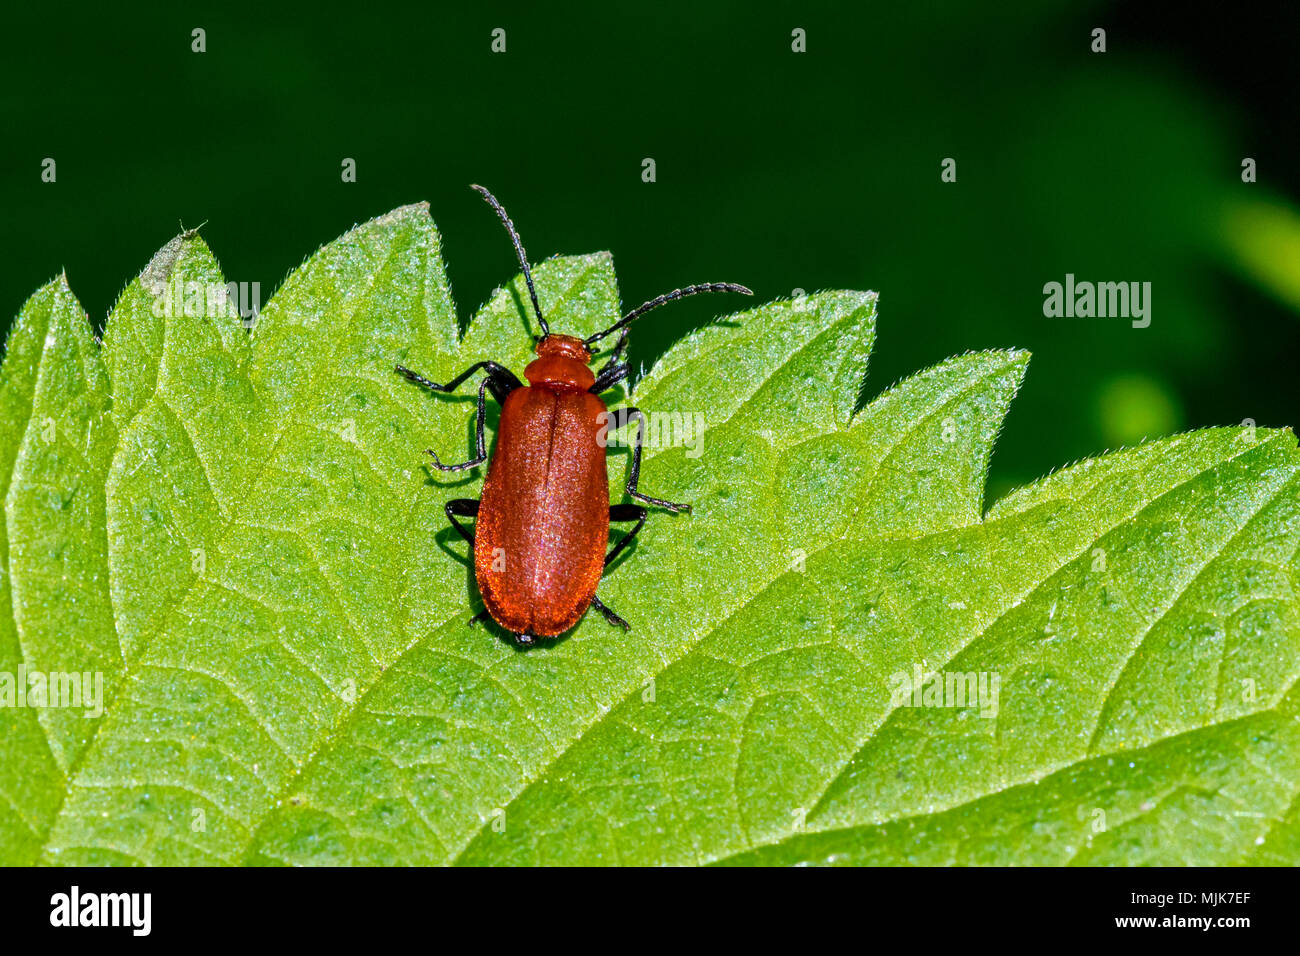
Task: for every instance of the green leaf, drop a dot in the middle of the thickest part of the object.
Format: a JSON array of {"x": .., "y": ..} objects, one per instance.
[{"x": 237, "y": 532}]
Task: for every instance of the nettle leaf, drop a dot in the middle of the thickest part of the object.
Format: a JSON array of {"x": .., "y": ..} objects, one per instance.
[{"x": 237, "y": 533}]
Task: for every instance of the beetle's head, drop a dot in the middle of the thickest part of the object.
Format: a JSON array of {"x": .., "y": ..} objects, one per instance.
[
  {"x": 563, "y": 346},
  {"x": 561, "y": 363}
]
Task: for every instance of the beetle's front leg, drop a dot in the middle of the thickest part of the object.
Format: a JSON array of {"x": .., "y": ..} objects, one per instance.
[
  {"x": 613, "y": 371},
  {"x": 500, "y": 379},
  {"x": 617, "y": 419}
]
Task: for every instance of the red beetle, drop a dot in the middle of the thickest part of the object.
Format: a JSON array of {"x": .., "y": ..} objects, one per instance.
[{"x": 542, "y": 525}]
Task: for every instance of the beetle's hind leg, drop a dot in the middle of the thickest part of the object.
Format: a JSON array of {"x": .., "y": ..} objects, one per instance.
[
  {"x": 620, "y": 513},
  {"x": 610, "y": 615},
  {"x": 465, "y": 508}
]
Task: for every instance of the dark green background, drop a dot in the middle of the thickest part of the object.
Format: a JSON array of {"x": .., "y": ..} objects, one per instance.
[{"x": 775, "y": 169}]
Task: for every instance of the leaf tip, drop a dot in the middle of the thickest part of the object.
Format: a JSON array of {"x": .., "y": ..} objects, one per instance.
[{"x": 402, "y": 214}]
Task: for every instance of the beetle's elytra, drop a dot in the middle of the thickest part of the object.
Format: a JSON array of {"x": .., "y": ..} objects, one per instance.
[{"x": 542, "y": 525}]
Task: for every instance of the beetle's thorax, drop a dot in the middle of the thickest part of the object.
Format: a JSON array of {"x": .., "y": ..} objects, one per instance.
[{"x": 561, "y": 363}]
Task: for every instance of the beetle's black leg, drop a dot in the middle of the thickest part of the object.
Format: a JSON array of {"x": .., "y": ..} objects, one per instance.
[
  {"x": 500, "y": 379},
  {"x": 465, "y": 508},
  {"x": 619, "y": 348},
  {"x": 617, "y": 419},
  {"x": 610, "y": 375},
  {"x": 462, "y": 508},
  {"x": 610, "y": 615},
  {"x": 625, "y": 513},
  {"x": 478, "y": 435},
  {"x": 613, "y": 371}
]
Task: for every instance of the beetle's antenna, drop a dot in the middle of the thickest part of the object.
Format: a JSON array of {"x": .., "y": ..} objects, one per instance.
[
  {"x": 668, "y": 297},
  {"x": 519, "y": 251}
]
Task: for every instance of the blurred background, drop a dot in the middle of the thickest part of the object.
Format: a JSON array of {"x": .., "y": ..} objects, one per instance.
[{"x": 778, "y": 169}]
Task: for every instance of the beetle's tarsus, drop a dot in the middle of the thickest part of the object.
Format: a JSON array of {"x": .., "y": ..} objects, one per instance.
[
  {"x": 669, "y": 505},
  {"x": 610, "y": 615},
  {"x": 418, "y": 379},
  {"x": 437, "y": 463}
]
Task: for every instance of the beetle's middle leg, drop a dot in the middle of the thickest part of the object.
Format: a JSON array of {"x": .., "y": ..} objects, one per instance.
[
  {"x": 617, "y": 419},
  {"x": 625, "y": 513},
  {"x": 462, "y": 508},
  {"x": 620, "y": 513},
  {"x": 466, "y": 508},
  {"x": 480, "y": 444},
  {"x": 499, "y": 379}
]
